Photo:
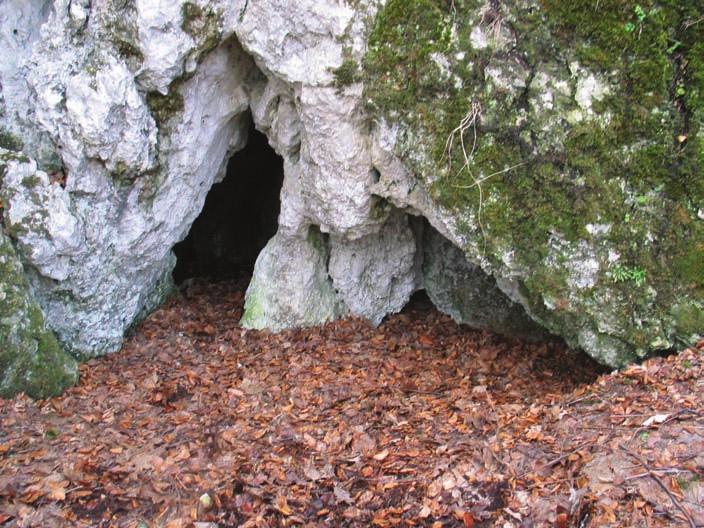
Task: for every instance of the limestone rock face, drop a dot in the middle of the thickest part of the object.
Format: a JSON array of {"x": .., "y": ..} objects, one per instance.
[
  {"x": 291, "y": 286},
  {"x": 376, "y": 274},
  {"x": 468, "y": 295},
  {"x": 21, "y": 22},
  {"x": 488, "y": 124},
  {"x": 31, "y": 359}
]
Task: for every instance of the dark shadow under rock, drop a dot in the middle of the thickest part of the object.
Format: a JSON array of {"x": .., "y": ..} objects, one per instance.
[{"x": 239, "y": 216}]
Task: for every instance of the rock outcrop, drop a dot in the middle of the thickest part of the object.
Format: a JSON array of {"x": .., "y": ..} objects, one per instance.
[
  {"x": 468, "y": 295},
  {"x": 561, "y": 162},
  {"x": 566, "y": 144},
  {"x": 31, "y": 360}
]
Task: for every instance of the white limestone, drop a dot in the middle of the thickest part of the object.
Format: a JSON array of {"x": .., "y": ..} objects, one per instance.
[
  {"x": 20, "y": 22},
  {"x": 374, "y": 275},
  {"x": 143, "y": 108}
]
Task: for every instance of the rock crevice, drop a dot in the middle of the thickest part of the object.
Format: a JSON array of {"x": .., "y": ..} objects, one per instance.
[{"x": 127, "y": 113}]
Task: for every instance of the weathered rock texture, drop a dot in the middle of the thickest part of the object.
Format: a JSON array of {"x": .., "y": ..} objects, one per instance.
[
  {"x": 31, "y": 359},
  {"x": 559, "y": 149},
  {"x": 470, "y": 296},
  {"x": 564, "y": 141}
]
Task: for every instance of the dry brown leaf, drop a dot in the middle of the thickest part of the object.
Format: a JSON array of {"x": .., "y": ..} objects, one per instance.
[
  {"x": 320, "y": 405},
  {"x": 282, "y": 505},
  {"x": 381, "y": 455}
]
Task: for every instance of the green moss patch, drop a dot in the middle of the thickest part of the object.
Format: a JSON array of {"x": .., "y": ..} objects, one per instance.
[
  {"x": 581, "y": 124},
  {"x": 10, "y": 141},
  {"x": 31, "y": 360},
  {"x": 346, "y": 74},
  {"x": 203, "y": 24},
  {"x": 164, "y": 106}
]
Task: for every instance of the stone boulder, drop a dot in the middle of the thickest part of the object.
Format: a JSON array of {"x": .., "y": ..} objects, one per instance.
[
  {"x": 31, "y": 360},
  {"x": 554, "y": 147},
  {"x": 563, "y": 143}
]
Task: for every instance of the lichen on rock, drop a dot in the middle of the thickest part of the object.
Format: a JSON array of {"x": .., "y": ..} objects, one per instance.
[
  {"x": 31, "y": 360},
  {"x": 556, "y": 147},
  {"x": 532, "y": 122}
]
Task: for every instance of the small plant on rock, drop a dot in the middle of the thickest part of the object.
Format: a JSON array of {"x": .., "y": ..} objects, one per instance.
[{"x": 634, "y": 274}]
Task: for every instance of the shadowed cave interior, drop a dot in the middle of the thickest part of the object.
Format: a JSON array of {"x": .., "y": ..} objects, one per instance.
[{"x": 239, "y": 217}]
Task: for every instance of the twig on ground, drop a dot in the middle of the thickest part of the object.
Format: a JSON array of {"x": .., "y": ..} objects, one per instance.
[
  {"x": 675, "y": 416},
  {"x": 559, "y": 459},
  {"x": 675, "y": 500},
  {"x": 669, "y": 471},
  {"x": 577, "y": 400}
]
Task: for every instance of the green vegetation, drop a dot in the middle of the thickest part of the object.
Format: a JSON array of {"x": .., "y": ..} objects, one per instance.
[
  {"x": 51, "y": 434},
  {"x": 689, "y": 481},
  {"x": 164, "y": 107},
  {"x": 203, "y": 24},
  {"x": 10, "y": 141},
  {"x": 122, "y": 29},
  {"x": 625, "y": 274},
  {"x": 689, "y": 317},
  {"x": 572, "y": 114},
  {"x": 31, "y": 359},
  {"x": 193, "y": 17},
  {"x": 128, "y": 49},
  {"x": 347, "y": 74}
]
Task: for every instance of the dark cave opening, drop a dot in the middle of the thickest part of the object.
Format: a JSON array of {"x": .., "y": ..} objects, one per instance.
[
  {"x": 419, "y": 302},
  {"x": 239, "y": 217}
]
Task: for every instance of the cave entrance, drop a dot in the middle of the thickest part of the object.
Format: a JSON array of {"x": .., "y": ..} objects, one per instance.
[{"x": 239, "y": 217}]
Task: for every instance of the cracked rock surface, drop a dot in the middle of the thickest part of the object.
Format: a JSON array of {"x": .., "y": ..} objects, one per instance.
[
  {"x": 31, "y": 359},
  {"x": 124, "y": 114}
]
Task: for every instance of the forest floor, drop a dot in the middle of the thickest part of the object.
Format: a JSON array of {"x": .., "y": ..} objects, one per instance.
[{"x": 419, "y": 422}]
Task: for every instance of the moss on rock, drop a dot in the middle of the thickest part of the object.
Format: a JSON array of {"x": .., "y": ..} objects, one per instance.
[
  {"x": 31, "y": 360},
  {"x": 10, "y": 141},
  {"x": 165, "y": 106},
  {"x": 346, "y": 74},
  {"x": 120, "y": 23},
  {"x": 582, "y": 129},
  {"x": 203, "y": 24}
]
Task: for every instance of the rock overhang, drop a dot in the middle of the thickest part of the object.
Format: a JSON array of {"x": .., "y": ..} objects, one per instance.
[{"x": 172, "y": 89}]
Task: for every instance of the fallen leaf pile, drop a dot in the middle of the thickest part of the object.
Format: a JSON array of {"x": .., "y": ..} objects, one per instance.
[{"x": 419, "y": 422}]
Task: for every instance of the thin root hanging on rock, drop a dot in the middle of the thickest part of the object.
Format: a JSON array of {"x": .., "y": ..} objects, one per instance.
[{"x": 469, "y": 122}]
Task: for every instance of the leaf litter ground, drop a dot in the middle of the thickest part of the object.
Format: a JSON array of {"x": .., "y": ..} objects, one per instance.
[{"x": 419, "y": 422}]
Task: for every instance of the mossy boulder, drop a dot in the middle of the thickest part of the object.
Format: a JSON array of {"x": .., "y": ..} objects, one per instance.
[
  {"x": 468, "y": 295},
  {"x": 565, "y": 141},
  {"x": 31, "y": 360}
]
